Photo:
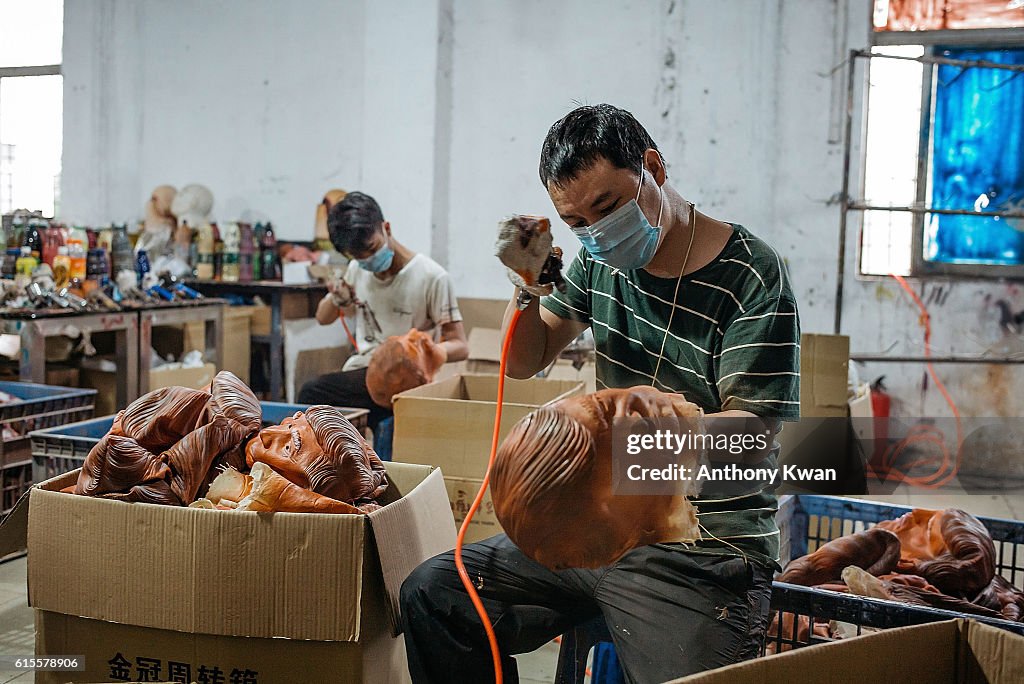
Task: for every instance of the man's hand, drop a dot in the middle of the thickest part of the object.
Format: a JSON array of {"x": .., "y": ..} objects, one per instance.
[
  {"x": 342, "y": 294},
  {"x": 647, "y": 402},
  {"x": 536, "y": 290}
]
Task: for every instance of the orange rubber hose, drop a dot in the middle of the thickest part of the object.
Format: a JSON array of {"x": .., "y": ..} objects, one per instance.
[
  {"x": 351, "y": 337},
  {"x": 947, "y": 469},
  {"x": 463, "y": 574}
]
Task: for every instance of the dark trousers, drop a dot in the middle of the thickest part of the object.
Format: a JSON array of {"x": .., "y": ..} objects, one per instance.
[
  {"x": 346, "y": 389},
  {"x": 670, "y": 613}
]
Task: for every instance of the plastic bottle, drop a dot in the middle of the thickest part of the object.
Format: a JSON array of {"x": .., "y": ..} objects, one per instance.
[
  {"x": 257, "y": 255},
  {"x": 269, "y": 263},
  {"x": 218, "y": 253},
  {"x": 141, "y": 264},
  {"x": 26, "y": 263},
  {"x": 53, "y": 239},
  {"x": 246, "y": 252},
  {"x": 97, "y": 265},
  {"x": 10, "y": 265},
  {"x": 62, "y": 267},
  {"x": 122, "y": 257},
  {"x": 17, "y": 235},
  {"x": 231, "y": 266},
  {"x": 104, "y": 239},
  {"x": 76, "y": 253},
  {"x": 204, "y": 253},
  {"x": 33, "y": 239}
]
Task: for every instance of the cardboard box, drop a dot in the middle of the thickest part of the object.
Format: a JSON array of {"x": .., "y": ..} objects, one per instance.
[
  {"x": 196, "y": 378},
  {"x": 237, "y": 340},
  {"x": 450, "y": 423},
  {"x": 482, "y": 313},
  {"x": 62, "y": 376},
  {"x": 564, "y": 370},
  {"x": 286, "y": 597},
  {"x": 824, "y": 374},
  {"x": 259, "y": 320},
  {"x": 951, "y": 652},
  {"x": 105, "y": 382},
  {"x": 461, "y": 493},
  {"x": 484, "y": 350}
]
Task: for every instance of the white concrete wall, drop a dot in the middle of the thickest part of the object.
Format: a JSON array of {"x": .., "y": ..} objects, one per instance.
[
  {"x": 260, "y": 101},
  {"x": 439, "y": 108},
  {"x": 735, "y": 99}
]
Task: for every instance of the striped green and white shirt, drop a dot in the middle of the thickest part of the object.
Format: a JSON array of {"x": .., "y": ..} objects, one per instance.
[{"x": 734, "y": 344}]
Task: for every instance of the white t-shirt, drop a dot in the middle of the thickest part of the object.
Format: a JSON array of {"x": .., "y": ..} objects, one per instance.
[{"x": 419, "y": 296}]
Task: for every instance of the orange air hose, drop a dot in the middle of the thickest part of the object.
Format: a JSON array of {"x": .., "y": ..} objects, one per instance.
[
  {"x": 351, "y": 337},
  {"x": 463, "y": 574},
  {"x": 947, "y": 469}
]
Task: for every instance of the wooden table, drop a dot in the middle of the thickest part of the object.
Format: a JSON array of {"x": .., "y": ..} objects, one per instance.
[
  {"x": 35, "y": 326},
  {"x": 287, "y": 301},
  {"x": 210, "y": 311}
]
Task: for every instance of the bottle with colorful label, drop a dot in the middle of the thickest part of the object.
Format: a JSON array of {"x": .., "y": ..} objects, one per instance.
[
  {"x": 33, "y": 239},
  {"x": 141, "y": 264},
  {"x": 246, "y": 249},
  {"x": 62, "y": 267},
  {"x": 10, "y": 265},
  {"x": 205, "y": 247},
  {"x": 77, "y": 255},
  {"x": 26, "y": 264},
  {"x": 53, "y": 239},
  {"x": 270, "y": 268}
]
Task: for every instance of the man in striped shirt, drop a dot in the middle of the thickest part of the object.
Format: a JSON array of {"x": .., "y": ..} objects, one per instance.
[{"x": 679, "y": 301}]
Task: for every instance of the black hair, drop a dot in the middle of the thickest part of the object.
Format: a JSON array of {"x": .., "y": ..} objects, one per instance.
[
  {"x": 353, "y": 222},
  {"x": 584, "y": 135}
]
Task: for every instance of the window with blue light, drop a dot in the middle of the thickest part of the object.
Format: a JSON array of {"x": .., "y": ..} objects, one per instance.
[{"x": 977, "y": 160}]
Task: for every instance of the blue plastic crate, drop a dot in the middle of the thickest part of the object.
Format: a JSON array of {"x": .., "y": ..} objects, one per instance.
[
  {"x": 39, "y": 407},
  {"x": 807, "y": 522},
  {"x": 60, "y": 450}
]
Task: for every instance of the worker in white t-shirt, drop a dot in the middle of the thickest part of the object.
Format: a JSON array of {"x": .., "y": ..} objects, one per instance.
[{"x": 387, "y": 290}]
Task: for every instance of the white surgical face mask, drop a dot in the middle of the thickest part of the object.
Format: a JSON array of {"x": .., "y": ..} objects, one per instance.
[{"x": 624, "y": 239}]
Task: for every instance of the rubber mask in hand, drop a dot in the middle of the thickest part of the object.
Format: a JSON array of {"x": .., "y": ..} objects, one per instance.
[
  {"x": 624, "y": 239},
  {"x": 380, "y": 261}
]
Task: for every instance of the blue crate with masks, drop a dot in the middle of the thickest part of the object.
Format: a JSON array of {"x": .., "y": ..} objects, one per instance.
[
  {"x": 807, "y": 522},
  {"x": 62, "y": 449}
]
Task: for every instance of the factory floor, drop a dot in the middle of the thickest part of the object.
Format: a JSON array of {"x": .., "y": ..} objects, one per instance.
[{"x": 16, "y": 622}]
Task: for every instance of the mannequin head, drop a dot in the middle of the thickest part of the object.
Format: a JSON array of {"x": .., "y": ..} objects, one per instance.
[{"x": 193, "y": 205}]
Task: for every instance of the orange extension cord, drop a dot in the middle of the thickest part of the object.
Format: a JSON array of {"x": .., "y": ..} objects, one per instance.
[
  {"x": 946, "y": 468},
  {"x": 463, "y": 574}
]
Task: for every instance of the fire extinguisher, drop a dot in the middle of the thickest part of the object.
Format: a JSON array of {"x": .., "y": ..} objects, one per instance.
[{"x": 881, "y": 403}]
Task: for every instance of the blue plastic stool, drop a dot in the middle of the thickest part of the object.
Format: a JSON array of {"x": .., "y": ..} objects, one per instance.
[
  {"x": 576, "y": 645},
  {"x": 382, "y": 438}
]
